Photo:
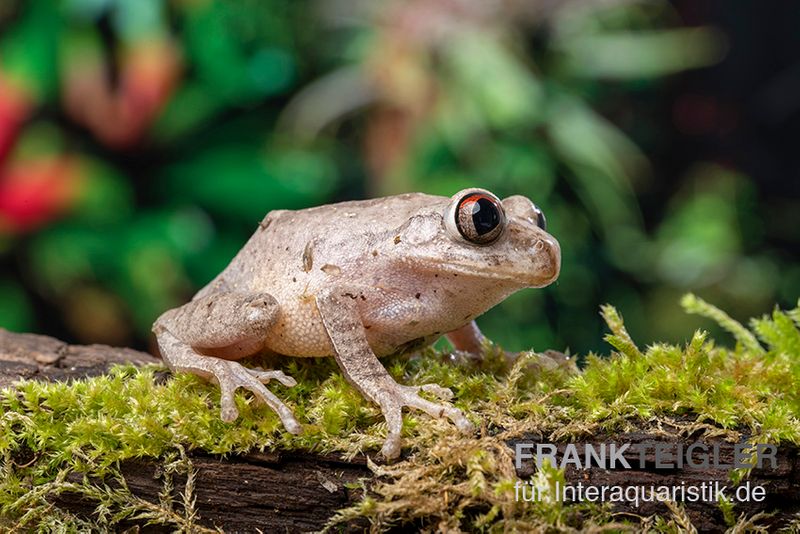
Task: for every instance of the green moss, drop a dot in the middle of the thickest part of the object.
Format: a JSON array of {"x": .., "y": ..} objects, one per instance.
[{"x": 57, "y": 437}]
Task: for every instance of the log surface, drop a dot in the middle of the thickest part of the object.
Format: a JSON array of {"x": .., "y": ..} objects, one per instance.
[
  {"x": 291, "y": 492},
  {"x": 46, "y": 358}
]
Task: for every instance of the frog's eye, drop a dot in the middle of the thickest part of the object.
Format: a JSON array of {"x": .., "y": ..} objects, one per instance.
[
  {"x": 480, "y": 218},
  {"x": 541, "y": 221}
]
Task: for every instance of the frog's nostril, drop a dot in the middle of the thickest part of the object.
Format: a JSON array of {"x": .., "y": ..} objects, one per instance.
[{"x": 547, "y": 261}]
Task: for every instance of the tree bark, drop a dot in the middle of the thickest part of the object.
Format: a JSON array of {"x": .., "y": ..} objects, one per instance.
[
  {"x": 300, "y": 491},
  {"x": 45, "y": 358}
]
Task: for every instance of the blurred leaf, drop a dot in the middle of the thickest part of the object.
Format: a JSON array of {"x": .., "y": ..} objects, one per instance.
[
  {"x": 514, "y": 167},
  {"x": 140, "y": 260},
  {"x": 205, "y": 264},
  {"x": 16, "y": 313},
  {"x": 326, "y": 100},
  {"x": 219, "y": 61},
  {"x": 137, "y": 19},
  {"x": 243, "y": 183},
  {"x": 695, "y": 258},
  {"x": 39, "y": 139},
  {"x": 445, "y": 183},
  {"x": 699, "y": 240},
  {"x": 63, "y": 256},
  {"x": 272, "y": 70},
  {"x": 504, "y": 92},
  {"x": 602, "y": 162},
  {"x": 222, "y": 59},
  {"x": 105, "y": 196},
  {"x": 189, "y": 231},
  {"x": 458, "y": 118},
  {"x": 625, "y": 55},
  {"x": 86, "y": 9},
  {"x": 151, "y": 280},
  {"x": 190, "y": 108},
  {"x": 29, "y": 49},
  {"x": 588, "y": 141}
]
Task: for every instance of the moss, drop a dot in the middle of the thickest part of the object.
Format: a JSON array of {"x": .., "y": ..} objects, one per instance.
[{"x": 57, "y": 437}]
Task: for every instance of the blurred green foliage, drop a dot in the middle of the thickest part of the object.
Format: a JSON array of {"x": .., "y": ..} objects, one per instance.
[{"x": 142, "y": 140}]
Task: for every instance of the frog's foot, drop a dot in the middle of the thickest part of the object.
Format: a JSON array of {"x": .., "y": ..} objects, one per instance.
[
  {"x": 392, "y": 399},
  {"x": 549, "y": 360},
  {"x": 232, "y": 375}
]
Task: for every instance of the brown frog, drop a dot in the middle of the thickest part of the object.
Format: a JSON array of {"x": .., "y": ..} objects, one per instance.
[{"x": 357, "y": 281}]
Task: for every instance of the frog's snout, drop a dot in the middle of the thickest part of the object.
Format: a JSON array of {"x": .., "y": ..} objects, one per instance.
[{"x": 547, "y": 261}]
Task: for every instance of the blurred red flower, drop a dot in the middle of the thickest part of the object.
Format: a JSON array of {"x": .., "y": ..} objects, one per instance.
[
  {"x": 34, "y": 192},
  {"x": 14, "y": 109}
]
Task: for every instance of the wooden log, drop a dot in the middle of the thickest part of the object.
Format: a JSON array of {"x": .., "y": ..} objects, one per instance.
[
  {"x": 282, "y": 492},
  {"x": 45, "y": 358},
  {"x": 291, "y": 492},
  {"x": 300, "y": 491}
]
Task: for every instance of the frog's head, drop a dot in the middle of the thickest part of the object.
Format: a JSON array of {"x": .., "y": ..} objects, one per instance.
[{"x": 476, "y": 234}]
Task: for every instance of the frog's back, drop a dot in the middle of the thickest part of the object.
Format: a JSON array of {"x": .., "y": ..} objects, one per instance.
[
  {"x": 276, "y": 252},
  {"x": 353, "y": 215},
  {"x": 291, "y": 230}
]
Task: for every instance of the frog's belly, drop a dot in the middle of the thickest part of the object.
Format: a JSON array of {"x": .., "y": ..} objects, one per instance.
[{"x": 299, "y": 332}]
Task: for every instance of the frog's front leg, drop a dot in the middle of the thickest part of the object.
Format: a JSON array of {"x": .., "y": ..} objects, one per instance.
[
  {"x": 366, "y": 373},
  {"x": 229, "y": 326}
]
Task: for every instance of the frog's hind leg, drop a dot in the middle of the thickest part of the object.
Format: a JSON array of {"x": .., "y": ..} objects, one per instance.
[
  {"x": 229, "y": 326},
  {"x": 470, "y": 342},
  {"x": 468, "y": 338}
]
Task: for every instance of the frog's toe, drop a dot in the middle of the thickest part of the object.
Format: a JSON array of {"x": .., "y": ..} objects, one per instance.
[
  {"x": 435, "y": 389},
  {"x": 292, "y": 426},
  {"x": 391, "y": 447},
  {"x": 228, "y": 410},
  {"x": 236, "y": 376},
  {"x": 392, "y": 413},
  {"x": 410, "y": 397},
  {"x": 265, "y": 376},
  {"x": 283, "y": 411}
]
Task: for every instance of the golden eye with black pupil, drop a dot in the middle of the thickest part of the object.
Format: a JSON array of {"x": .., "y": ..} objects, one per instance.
[
  {"x": 541, "y": 221},
  {"x": 480, "y": 218}
]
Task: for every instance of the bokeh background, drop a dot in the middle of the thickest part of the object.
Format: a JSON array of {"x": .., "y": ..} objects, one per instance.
[{"x": 141, "y": 141}]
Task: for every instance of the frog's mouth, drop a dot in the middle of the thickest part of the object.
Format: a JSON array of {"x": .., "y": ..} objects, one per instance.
[
  {"x": 542, "y": 262},
  {"x": 518, "y": 278}
]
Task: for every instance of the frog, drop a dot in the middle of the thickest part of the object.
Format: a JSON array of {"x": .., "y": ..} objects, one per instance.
[{"x": 358, "y": 281}]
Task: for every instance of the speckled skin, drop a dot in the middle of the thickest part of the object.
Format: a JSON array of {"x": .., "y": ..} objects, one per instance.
[{"x": 355, "y": 280}]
